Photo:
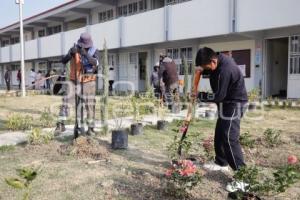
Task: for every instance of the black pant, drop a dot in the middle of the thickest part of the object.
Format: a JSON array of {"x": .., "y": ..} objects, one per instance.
[
  {"x": 7, "y": 85},
  {"x": 227, "y": 146},
  {"x": 111, "y": 85}
]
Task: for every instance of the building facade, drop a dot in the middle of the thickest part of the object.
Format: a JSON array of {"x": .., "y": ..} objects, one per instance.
[{"x": 262, "y": 36}]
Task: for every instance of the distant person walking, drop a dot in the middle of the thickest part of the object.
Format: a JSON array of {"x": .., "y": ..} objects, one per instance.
[
  {"x": 32, "y": 78},
  {"x": 19, "y": 78},
  {"x": 7, "y": 78},
  {"x": 111, "y": 79}
]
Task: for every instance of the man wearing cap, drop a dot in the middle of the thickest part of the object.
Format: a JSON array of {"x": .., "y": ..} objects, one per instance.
[
  {"x": 168, "y": 80},
  {"x": 85, "y": 76}
]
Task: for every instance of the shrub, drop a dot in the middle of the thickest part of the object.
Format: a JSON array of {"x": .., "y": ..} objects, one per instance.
[
  {"x": 46, "y": 118},
  {"x": 181, "y": 177},
  {"x": 246, "y": 140},
  {"x": 24, "y": 180},
  {"x": 272, "y": 137},
  {"x": 19, "y": 122},
  {"x": 37, "y": 137}
]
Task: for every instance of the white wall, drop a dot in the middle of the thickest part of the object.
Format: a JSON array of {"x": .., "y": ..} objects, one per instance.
[
  {"x": 237, "y": 45},
  {"x": 5, "y": 54},
  {"x": 199, "y": 18},
  {"x": 16, "y": 52},
  {"x": 31, "y": 49},
  {"x": 145, "y": 28},
  {"x": 51, "y": 46},
  {"x": 108, "y": 31},
  {"x": 265, "y": 14}
]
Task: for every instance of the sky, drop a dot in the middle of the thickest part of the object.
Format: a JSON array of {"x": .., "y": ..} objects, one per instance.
[{"x": 9, "y": 10}]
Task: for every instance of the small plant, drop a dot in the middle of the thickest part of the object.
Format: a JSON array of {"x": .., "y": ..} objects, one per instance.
[
  {"x": 253, "y": 95},
  {"x": 135, "y": 106},
  {"x": 246, "y": 140},
  {"x": 19, "y": 122},
  {"x": 7, "y": 148},
  {"x": 270, "y": 101},
  {"x": 46, "y": 118},
  {"x": 208, "y": 145},
  {"x": 37, "y": 137},
  {"x": 120, "y": 111},
  {"x": 272, "y": 137},
  {"x": 24, "y": 180},
  {"x": 186, "y": 146},
  {"x": 276, "y": 102},
  {"x": 181, "y": 177}
]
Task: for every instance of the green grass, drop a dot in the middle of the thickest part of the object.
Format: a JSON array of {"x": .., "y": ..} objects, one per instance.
[{"x": 7, "y": 148}]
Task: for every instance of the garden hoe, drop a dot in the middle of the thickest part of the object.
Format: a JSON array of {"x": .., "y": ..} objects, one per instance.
[
  {"x": 186, "y": 122},
  {"x": 78, "y": 71}
]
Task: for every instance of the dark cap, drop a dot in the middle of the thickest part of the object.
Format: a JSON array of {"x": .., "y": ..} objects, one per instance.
[{"x": 85, "y": 40}]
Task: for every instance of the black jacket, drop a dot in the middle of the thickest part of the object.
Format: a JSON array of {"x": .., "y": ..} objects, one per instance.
[{"x": 227, "y": 82}]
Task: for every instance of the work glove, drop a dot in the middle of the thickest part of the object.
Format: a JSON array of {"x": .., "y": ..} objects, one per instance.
[{"x": 73, "y": 51}]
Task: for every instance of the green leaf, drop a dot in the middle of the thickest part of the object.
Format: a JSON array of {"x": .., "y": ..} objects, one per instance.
[{"x": 15, "y": 183}]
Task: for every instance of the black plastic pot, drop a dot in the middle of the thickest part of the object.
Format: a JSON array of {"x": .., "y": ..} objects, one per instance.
[
  {"x": 210, "y": 114},
  {"x": 136, "y": 129},
  {"x": 119, "y": 139},
  {"x": 252, "y": 106},
  {"x": 161, "y": 125},
  {"x": 243, "y": 196}
]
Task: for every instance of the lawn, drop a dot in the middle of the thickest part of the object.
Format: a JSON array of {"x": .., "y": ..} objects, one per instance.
[{"x": 138, "y": 172}]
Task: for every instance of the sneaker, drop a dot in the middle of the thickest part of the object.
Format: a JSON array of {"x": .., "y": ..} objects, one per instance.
[
  {"x": 214, "y": 167},
  {"x": 60, "y": 127},
  {"x": 237, "y": 186}
]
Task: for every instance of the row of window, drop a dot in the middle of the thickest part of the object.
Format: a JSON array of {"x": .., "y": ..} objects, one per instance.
[
  {"x": 179, "y": 55},
  {"x": 12, "y": 41},
  {"x": 132, "y": 8},
  {"x": 168, "y": 2}
]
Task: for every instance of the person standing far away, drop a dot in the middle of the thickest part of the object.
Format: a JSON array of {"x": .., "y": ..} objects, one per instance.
[
  {"x": 32, "y": 78},
  {"x": 168, "y": 77},
  {"x": 111, "y": 79},
  {"x": 19, "y": 78},
  {"x": 154, "y": 80},
  {"x": 7, "y": 78},
  {"x": 230, "y": 95}
]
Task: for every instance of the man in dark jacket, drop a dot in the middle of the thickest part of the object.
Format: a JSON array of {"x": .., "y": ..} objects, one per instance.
[
  {"x": 168, "y": 77},
  {"x": 230, "y": 95},
  {"x": 7, "y": 78},
  {"x": 86, "y": 77}
]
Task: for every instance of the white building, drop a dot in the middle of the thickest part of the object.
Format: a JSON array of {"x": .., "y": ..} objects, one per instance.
[{"x": 262, "y": 35}]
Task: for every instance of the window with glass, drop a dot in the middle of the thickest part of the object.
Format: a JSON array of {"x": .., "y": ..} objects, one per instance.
[
  {"x": 179, "y": 55},
  {"x": 41, "y": 33},
  {"x": 15, "y": 40},
  {"x": 294, "y": 55},
  {"x": 4, "y": 43},
  {"x": 53, "y": 30},
  {"x": 106, "y": 15}
]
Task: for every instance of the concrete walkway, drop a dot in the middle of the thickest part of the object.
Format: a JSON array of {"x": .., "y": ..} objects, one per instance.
[{"x": 14, "y": 138}]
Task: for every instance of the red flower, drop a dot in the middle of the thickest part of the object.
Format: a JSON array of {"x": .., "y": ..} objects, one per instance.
[
  {"x": 169, "y": 172},
  {"x": 292, "y": 160},
  {"x": 183, "y": 129}
]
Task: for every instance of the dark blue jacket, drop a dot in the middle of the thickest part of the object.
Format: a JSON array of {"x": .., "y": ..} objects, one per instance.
[{"x": 227, "y": 82}]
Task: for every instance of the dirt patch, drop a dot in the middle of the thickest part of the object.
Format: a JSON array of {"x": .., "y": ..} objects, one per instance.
[{"x": 84, "y": 147}]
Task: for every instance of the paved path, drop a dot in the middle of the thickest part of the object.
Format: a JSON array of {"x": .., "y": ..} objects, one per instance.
[{"x": 14, "y": 138}]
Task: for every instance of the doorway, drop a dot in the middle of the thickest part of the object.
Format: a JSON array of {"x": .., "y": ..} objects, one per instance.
[
  {"x": 142, "y": 71},
  {"x": 277, "y": 67}
]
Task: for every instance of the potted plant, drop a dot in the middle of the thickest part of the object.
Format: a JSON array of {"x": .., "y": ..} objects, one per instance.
[
  {"x": 119, "y": 133},
  {"x": 253, "y": 97},
  {"x": 161, "y": 113},
  {"x": 210, "y": 114},
  {"x": 137, "y": 126}
]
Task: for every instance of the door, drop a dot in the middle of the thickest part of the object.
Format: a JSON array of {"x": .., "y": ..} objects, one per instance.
[
  {"x": 277, "y": 68},
  {"x": 142, "y": 71},
  {"x": 128, "y": 76},
  {"x": 294, "y": 67}
]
